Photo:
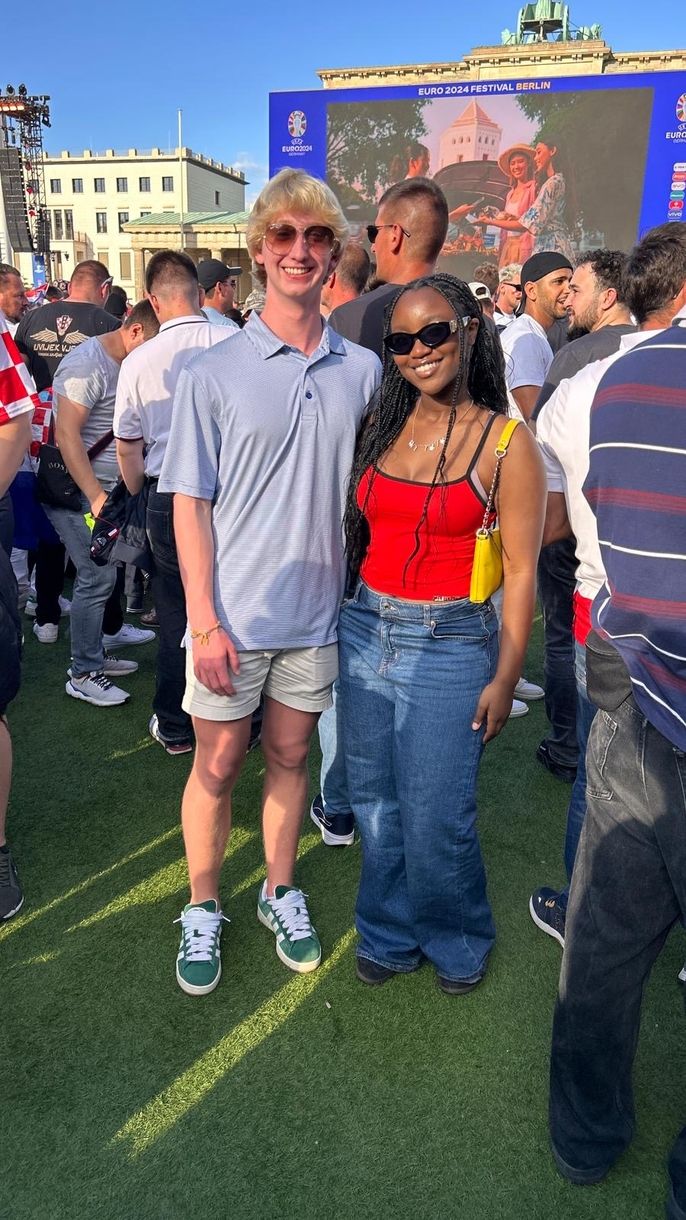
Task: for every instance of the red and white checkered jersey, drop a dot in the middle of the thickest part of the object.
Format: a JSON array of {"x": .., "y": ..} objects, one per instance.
[{"x": 17, "y": 390}]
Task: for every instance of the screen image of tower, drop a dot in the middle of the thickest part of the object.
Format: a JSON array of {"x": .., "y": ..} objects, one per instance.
[{"x": 561, "y": 171}]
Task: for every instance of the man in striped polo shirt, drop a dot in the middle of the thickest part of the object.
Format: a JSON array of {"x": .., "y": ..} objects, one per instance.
[
  {"x": 629, "y": 883},
  {"x": 653, "y": 279}
]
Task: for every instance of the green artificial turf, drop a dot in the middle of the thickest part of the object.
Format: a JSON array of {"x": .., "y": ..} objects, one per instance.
[{"x": 278, "y": 1095}]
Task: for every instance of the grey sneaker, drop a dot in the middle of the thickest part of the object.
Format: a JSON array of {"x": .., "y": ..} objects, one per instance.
[
  {"x": 114, "y": 665},
  {"x": 11, "y": 893},
  {"x": 97, "y": 689},
  {"x": 127, "y": 636}
]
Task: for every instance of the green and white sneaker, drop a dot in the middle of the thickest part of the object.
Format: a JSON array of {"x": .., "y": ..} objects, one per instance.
[
  {"x": 297, "y": 943},
  {"x": 199, "y": 963}
]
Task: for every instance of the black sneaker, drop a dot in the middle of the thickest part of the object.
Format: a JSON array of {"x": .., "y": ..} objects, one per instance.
[
  {"x": 457, "y": 986},
  {"x": 559, "y": 770},
  {"x": 547, "y": 913},
  {"x": 338, "y": 829},
  {"x": 11, "y": 893},
  {"x": 372, "y": 973}
]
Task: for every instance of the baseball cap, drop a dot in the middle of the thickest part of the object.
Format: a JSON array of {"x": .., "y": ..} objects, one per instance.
[
  {"x": 480, "y": 291},
  {"x": 212, "y": 271}
]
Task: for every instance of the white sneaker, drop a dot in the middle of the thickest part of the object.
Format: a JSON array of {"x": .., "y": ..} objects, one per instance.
[
  {"x": 127, "y": 636},
  {"x": 97, "y": 689},
  {"x": 518, "y": 708},
  {"x": 114, "y": 665},
  {"x": 681, "y": 976},
  {"x": 47, "y": 634},
  {"x": 65, "y": 605},
  {"x": 30, "y": 607},
  {"x": 529, "y": 690}
]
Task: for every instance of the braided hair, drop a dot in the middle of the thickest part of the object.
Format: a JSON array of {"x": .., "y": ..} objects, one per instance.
[{"x": 396, "y": 399}]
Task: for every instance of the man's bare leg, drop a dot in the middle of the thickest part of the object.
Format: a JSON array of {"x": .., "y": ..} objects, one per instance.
[
  {"x": 206, "y": 806},
  {"x": 286, "y": 735}
]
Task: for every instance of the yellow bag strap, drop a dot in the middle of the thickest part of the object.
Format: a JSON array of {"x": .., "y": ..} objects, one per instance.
[
  {"x": 506, "y": 437},
  {"x": 500, "y": 451}
]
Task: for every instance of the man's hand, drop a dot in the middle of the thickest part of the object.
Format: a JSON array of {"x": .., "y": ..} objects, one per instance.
[
  {"x": 97, "y": 503},
  {"x": 215, "y": 661}
]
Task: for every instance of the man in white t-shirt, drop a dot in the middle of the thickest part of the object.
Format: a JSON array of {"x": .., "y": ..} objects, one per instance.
[
  {"x": 142, "y": 421},
  {"x": 528, "y": 354}
]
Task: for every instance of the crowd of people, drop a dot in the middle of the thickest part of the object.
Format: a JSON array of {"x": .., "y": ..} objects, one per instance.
[{"x": 315, "y": 489}]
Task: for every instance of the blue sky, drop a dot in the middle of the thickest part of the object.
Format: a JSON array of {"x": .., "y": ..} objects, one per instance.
[{"x": 116, "y": 74}]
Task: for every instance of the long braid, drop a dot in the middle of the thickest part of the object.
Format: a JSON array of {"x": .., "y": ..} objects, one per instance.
[{"x": 396, "y": 399}]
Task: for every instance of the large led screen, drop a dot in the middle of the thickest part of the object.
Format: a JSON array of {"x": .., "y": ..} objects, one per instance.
[{"x": 567, "y": 164}]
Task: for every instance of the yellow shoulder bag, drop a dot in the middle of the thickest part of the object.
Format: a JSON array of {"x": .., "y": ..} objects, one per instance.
[{"x": 487, "y": 569}]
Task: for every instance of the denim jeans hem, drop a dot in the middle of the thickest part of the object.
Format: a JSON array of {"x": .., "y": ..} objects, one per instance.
[
  {"x": 388, "y": 965},
  {"x": 449, "y": 978}
]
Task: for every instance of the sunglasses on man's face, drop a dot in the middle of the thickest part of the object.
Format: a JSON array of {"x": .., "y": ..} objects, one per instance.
[
  {"x": 280, "y": 238},
  {"x": 509, "y": 284},
  {"x": 373, "y": 231},
  {"x": 401, "y": 342}
]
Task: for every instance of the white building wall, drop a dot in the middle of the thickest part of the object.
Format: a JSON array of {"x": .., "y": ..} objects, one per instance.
[{"x": 133, "y": 184}]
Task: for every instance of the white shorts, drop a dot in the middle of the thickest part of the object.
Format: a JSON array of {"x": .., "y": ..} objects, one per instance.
[{"x": 300, "y": 678}]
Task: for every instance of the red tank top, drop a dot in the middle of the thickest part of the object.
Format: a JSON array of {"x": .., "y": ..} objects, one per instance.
[{"x": 442, "y": 567}]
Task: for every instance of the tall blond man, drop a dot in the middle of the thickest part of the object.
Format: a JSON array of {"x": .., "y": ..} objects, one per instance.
[{"x": 261, "y": 445}]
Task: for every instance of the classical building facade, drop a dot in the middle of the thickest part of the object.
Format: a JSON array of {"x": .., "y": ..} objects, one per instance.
[
  {"x": 92, "y": 197},
  {"x": 592, "y": 57},
  {"x": 205, "y": 235}
]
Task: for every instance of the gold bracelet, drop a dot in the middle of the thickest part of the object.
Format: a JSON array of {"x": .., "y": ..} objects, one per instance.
[{"x": 204, "y": 636}]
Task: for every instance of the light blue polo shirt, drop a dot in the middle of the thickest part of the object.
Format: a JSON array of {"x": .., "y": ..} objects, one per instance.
[{"x": 268, "y": 435}]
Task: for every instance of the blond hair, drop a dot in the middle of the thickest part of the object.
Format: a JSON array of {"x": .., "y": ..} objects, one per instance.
[{"x": 294, "y": 191}]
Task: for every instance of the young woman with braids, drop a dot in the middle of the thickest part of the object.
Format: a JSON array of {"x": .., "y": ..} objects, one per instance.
[{"x": 422, "y": 687}]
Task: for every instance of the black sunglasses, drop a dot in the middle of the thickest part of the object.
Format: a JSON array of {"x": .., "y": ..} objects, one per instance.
[
  {"x": 509, "y": 284},
  {"x": 373, "y": 231},
  {"x": 401, "y": 342}
]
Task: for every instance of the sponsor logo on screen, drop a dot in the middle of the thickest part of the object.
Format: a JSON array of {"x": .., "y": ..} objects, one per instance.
[
  {"x": 680, "y": 167},
  {"x": 676, "y": 205},
  {"x": 297, "y": 123}
]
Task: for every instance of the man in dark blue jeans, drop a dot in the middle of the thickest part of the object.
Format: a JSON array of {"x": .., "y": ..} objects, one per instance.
[{"x": 629, "y": 883}]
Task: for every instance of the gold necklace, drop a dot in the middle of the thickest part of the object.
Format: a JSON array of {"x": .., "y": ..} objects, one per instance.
[{"x": 432, "y": 446}]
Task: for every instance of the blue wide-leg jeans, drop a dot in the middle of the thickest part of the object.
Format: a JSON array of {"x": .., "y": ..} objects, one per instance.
[{"x": 410, "y": 679}]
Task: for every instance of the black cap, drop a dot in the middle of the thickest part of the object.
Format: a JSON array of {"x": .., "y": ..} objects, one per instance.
[
  {"x": 212, "y": 271},
  {"x": 542, "y": 264}
]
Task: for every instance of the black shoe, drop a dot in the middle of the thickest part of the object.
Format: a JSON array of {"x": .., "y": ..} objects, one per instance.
[
  {"x": 580, "y": 1177},
  {"x": 559, "y": 770},
  {"x": 338, "y": 829},
  {"x": 547, "y": 913},
  {"x": 371, "y": 973},
  {"x": 11, "y": 893},
  {"x": 457, "y": 986}
]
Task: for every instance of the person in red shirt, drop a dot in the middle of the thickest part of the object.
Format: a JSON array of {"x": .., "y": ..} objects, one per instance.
[{"x": 423, "y": 682}]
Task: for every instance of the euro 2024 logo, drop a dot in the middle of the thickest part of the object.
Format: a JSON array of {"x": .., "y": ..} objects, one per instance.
[
  {"x": 681, "y": 108},
  {"x": 297, "y": 123}
]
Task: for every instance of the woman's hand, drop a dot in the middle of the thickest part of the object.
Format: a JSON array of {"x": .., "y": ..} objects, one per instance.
[
  {"x": 215, "y": 661},
  {"x": 494, "y": 707}
]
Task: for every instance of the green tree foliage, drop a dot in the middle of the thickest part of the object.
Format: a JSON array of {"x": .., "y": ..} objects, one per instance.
[
  {"x": 602, "y": 138},
  {"x": 362, "y": 140}
]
